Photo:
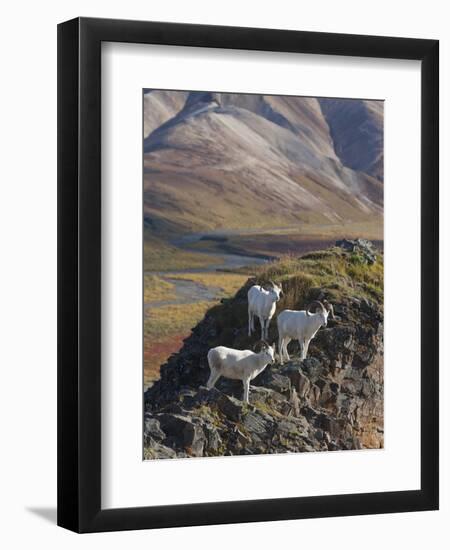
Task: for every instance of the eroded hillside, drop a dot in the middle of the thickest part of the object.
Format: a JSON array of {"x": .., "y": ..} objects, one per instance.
[
  {"x": 253, "y": 161},
  {"x": 333, "y": 400}
]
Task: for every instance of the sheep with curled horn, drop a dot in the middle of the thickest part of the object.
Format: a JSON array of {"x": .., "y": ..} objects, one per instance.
[
  {"x": 302, "y": 326},
  {"x": 330, "y": 309},
  {"x": 262, "y": 303}
]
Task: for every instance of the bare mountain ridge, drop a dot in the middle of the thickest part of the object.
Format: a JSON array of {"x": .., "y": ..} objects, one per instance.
[
  {"x": 160, "y": 106},
  {"x": 220, "y": 153},
  {"x": 357, "y": 131}
]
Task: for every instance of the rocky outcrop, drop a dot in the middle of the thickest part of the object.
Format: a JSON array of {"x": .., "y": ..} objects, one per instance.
[
  {"x": 331, "y": 401},
  {"x": 362, "y": 248}
]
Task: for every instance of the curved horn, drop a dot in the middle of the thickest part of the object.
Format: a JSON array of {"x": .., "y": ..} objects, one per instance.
[
  {"x": 260, "y": 345},
  {"x": 329, "y": 308},
  {"x": 312, "y": 304},
  {"x": 257, "y": 347}
]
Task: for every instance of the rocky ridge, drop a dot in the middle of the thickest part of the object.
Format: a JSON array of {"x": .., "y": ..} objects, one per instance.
[{"x": 331, "y": 401}]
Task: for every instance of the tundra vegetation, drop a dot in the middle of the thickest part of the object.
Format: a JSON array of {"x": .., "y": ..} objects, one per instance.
[
  {"x": 332, "y": 400},
  {"x": 159, "y": 255},
  {"x": 166, "y": 326}
]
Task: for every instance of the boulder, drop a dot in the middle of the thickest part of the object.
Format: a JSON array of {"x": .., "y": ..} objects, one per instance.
[
  {"x": 183, "y": 433},
  {"x": 294, "y": 402},
  {"x": 274, "y": 381},
  {"x": 231, "y": 407},
  {"x": 213, "y": 439},
  {"x": 298, "y": 380},
  {"x": 194, "y": 439},
  {"x": 152, "y": 428},
  {"x": 257, "y": 423},
  {"x": 364, "y": 248},
  {"x": 154, "y": 449},
  {"x": 267, "y": 396}
]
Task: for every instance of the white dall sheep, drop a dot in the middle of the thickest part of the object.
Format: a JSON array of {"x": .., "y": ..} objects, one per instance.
[
  {"x": 302, "y": 326},
  {"x": 237, "y": 364},
  {"x": 262, "y": 303}
]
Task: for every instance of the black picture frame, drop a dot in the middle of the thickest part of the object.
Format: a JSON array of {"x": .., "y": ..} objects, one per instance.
[{"x": 79, "y": 274}]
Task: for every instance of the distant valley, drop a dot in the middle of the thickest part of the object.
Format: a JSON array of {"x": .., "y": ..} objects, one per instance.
[{"x": 234, "y": 181}]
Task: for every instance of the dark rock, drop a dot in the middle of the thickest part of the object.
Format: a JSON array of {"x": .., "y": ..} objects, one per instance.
[
  {"x": 152, "y": 428},
  {"x": 230, "y": 407},
  {"x": 274, "y": 381},
  {"x": 257, "y": 423},
  {"x": 298, "y": 380},
  {"x": 309, "y": 413},
  {"x": 154, "y": 449},
  {"x": 364, "y": 248},
  {"x": 320, "y": 434},
  {"x": 314, "y": 394},
  {"x": 334, "y": 387},
  {"x": 194, "y": 439},
  {"x": 188, "y": 397},
  {"x": 242, "y": 439},
  {"x": 291, "y": 428},
  {"x": 213, "y": 439},
  {"x": 311, "y": 366},
  {"x": 294, "y": 401},
  {"x": 182, "y": 432},
  {"x": 174, "y": 408},
  {"x": 205, "y": 397},
  {"x": 329, "y": 424},
  {"x": 333, "y": 446},
  {"x": 260, "y": 394}
]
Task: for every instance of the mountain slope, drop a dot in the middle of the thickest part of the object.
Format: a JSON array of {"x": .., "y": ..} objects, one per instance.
[
  {"x": 160, "y": 106},
  {"x": 250, "y": 161},
  {"x": 357, "y": 130}
]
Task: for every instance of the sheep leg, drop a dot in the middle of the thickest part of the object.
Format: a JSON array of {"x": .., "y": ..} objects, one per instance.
[
  {"x": 246, "y": 389},
  {"x": 283, "y": 352},
  {"x": 214, "y": 376},
  {"x": 280, "y": 349},
  {"x": 266, "y": 329},
  {"x": 302, "y": 349},
  {"x": 305, "y": 351},
  {"x": 250, "y": 322},
  {"x": 261, "y": 322},
  {"x": 286, "y": 343}
]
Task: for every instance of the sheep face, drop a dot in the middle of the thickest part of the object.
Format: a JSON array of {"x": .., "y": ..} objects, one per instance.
[
  {"x": 277, "y": 291},
  {"x": 270, "y": 352},
  {"x": 324, "y": 317}
]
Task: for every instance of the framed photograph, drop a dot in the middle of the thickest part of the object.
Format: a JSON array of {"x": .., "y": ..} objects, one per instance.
[{"x": 247, "y": 275}]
